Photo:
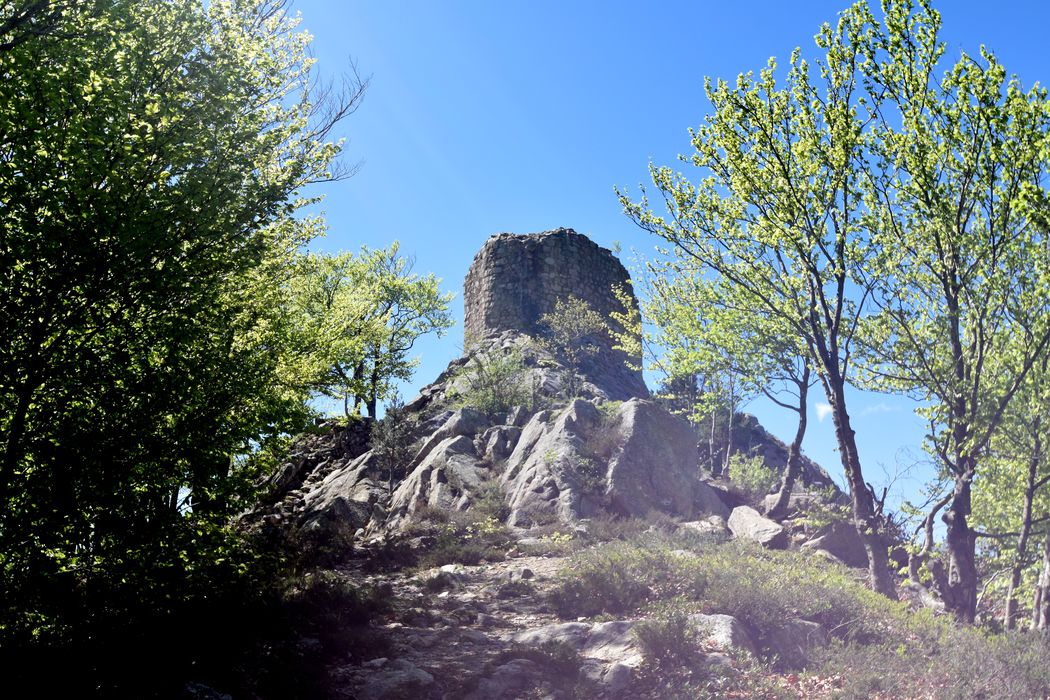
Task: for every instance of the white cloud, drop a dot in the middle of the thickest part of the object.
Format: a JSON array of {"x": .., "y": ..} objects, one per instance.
[
  {"x": 823, "y": 411},
  {"x": 880, "y": 407}
]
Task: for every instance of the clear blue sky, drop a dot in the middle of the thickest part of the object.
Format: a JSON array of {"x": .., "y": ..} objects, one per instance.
[{"x": 485, "y": 117}]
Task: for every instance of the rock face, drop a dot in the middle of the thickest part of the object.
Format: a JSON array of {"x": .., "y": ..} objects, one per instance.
[
  {"x": 635, "y": 460},
  {"x": 747, "y": 523},
  {"x": 516, "y": 279},
  {"x": 840, "y": 538}
]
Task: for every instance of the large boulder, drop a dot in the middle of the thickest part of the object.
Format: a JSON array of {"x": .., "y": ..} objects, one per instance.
[
  {"x": 447, "y": 478},
  {"x": 547, "y": 476},
  {"x": 794, "y": 641},
  {"x": 333, "y": 509},
  {"x": 747, "y": 523},
  {"x": 724, "y": 632},
  {"x": 654, "y": 464},
  {"x": 633, "y": 460},
  {"x": 841, "y": 539},
  {"x": 609, "y": 649}
]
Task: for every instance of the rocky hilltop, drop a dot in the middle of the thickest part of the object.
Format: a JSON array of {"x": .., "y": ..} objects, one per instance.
[{"x": 498, "y": 462}]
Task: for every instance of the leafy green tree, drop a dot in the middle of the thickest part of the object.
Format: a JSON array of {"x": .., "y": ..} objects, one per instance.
[
  {"x": 363, "y": 314},
  {"x": 777, "y": 214},
  {"x": 570, "y": 334},
  {"x": 959, "y": 211},
  {"x": 151, "y": 160},
  {"x": 709, "y": 329}
]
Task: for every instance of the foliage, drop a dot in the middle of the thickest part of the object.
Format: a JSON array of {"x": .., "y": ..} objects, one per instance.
[
  {"x": 752, "y": 476},
  {"x": 152, "y": 157},
  {"x": 570, "y": 334},
  {"x": 493, "y": 382},
  {"x": 559, "y": 657},
  {"x": 776, "y": 221},
  {"x": 460, "y": 537},
  {"x": 363, "y": 314},
  {"x": 669, "y": 639},
  {"x": 879, "y": 648},
  {"x": 962, "y": 271},
  {"x": 490, "y": 501},
  {"x": 391, "y": 442}
]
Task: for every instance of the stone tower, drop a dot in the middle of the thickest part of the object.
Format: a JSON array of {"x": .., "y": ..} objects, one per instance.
[{"x": 517, "y": 278}]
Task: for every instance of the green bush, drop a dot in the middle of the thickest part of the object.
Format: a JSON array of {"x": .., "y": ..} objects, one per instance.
[
  {"x": 620, "y": 576},
  {"x": 761, "y": 588},
  {"x": 461, "y": 537},
  {"x": 493, "y": 382},
  {"x": 669, "y": 639},
  {"x": 752, "y": 477},
  {"x": 491, "y": 502}
]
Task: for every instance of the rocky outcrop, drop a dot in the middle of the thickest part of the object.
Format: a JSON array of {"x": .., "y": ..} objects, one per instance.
[
  {"x": 840, "y": 539},
  {"x": 516, "y": 279},
  {"x": 750, "y": 438},
  {"x": 653, "y": 464},
  {"x": 747, "y": 523},
  {"x": 636, "y": 459}
]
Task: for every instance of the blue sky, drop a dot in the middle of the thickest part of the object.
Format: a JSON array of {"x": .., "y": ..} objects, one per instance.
[{"x": 484, "y": 117}]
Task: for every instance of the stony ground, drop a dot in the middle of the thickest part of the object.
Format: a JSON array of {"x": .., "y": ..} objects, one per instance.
[{"x": 448, "y": 626}]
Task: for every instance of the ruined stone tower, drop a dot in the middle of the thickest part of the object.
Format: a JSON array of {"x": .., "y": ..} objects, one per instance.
[{"x": 517, "y": 278}]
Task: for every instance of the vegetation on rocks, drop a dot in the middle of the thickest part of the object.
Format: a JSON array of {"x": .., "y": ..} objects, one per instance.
[{"x": 872, "y": 218}]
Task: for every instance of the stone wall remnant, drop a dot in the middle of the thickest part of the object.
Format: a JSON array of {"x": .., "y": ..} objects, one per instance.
[{"x": 517, "y": 278}]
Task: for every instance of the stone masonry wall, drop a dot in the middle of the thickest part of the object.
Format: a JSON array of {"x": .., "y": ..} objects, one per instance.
[{"x": 517, "y": 278}]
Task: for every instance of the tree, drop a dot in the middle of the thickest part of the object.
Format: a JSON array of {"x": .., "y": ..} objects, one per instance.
[
  {"x": 570, "y": 332},
  {"x": 152, "y": 156},
  {"x": 778, "y": 215},
  {"x": 959, "y": 212},
  {"x": 709, "y": 329},
  {"x": 364, "y": 314},
  {"x": 392, "y": 443}
]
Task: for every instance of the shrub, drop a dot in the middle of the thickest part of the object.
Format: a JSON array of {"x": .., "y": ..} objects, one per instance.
[
  {"x": 491, "y": 502},
  {"x": 752, "y": 477},
  {"x": 557, "y": 656},
  {"x": 464, "y": 538},
  {"x": 619, "y": 576},
  {"x": 493, "y": 382},
  {"x": 669, "y": 639}
]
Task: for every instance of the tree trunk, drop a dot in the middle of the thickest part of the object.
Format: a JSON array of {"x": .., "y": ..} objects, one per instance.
[
  {"x": 729, "y": 432},
  {"x": 15, "y": 443},
  {"x": 794, "y": 460},
  {"x": 1010, "y": 615},
  {"x": 960, "y": 540},
  {"x": 863, "y": 505},
  {"x": 711, "y": 446},
  {"x": 1041, "y": 606}
]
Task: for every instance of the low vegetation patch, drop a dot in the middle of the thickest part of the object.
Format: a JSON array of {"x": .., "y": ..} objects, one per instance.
[
  {"x": 878, "y": 648},
  {"x": 460, "y": 537},
  {"x": 669, "y": 639}
]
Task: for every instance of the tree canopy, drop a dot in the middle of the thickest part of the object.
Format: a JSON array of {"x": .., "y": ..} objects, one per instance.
[{"x": 153, "y": 156}]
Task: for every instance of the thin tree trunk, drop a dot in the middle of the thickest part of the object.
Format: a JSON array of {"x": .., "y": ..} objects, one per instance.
[
  {"x": 1041, "y": 606},
  {"x": 711, "y": 445},
  {"x": 729, "y": 431},
  {"x": 778, "y": 509},
  {"x": 863, "y": 505},
  {"x": 1010, "y": 616}
]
